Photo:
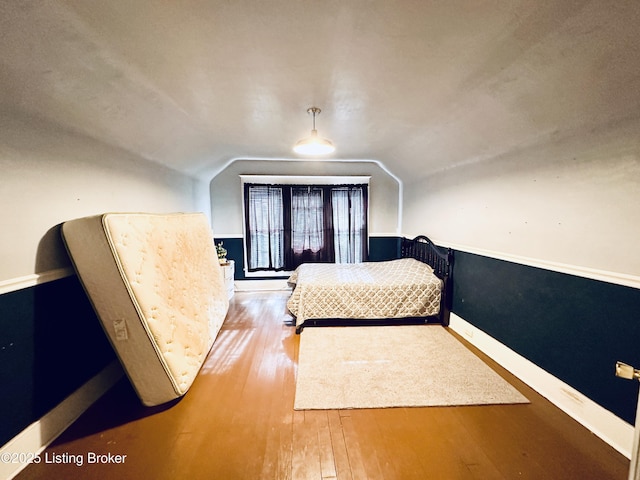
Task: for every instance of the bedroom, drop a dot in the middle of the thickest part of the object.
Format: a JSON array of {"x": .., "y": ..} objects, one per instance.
[{"x": 523, "y": 155}]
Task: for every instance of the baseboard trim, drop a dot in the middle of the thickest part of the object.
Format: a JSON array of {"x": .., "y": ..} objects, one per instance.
[
  {"x": 604, "y": 424},
  {"x": 260, "y": 285},
  {"x": 37, "y": 436}
]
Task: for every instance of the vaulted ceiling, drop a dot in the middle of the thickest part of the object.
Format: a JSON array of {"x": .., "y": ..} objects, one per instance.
[{"x": 418, "y": 85}]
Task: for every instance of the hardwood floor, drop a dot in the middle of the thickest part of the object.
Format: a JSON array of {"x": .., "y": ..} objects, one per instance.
[{"x": 238, "y": 422}]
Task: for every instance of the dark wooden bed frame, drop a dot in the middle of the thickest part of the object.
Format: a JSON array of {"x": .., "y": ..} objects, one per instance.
[
  {"x": 424, "y": 250},
  {"x": 441, "y": 260}
]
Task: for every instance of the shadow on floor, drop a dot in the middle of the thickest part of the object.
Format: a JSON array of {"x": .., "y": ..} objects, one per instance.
[{"x": 120, "y": 405}]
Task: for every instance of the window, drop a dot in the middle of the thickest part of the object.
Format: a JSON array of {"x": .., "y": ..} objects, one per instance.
[
  {"x": 349, "y": 224},
  {"x": 286, "y": 225},
  {"x": 307, "y": 220},
  {"x": 266, "y": 232}
]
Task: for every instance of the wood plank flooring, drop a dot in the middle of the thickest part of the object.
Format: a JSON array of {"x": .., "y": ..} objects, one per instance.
[{"x": 238, "y": 422}]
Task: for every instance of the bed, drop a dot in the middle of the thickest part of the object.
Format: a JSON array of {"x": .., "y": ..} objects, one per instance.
[
  {"x": 158, "y": 290},
  {"x": 414, "y": 288}
]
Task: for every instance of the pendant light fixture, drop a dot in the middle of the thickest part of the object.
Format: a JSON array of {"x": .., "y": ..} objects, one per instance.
[{"x": 313, "y": 144}]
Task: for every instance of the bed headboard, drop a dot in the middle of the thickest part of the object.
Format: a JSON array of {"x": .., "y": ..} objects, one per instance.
[
  {"x": 440, "y": 259},
  {"x": 423, "y": 249}
]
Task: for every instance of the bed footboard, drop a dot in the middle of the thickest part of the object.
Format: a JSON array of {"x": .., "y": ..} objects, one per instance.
[{"x": 441, "y": 260}]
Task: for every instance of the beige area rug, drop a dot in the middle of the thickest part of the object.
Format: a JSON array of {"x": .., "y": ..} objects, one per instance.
[{"x": 393, "y": 366}]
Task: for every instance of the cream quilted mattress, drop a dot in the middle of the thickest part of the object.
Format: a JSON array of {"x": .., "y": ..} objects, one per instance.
[
  {"x": 157, "y": 287},
  {"x": 375, "y": 290}
]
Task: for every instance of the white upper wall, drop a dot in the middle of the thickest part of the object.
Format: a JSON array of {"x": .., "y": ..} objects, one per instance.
[
  {"x": 226, "y": 193},
  {"x": 573, "y": 201},
  {"x": 50, "y": 176}
]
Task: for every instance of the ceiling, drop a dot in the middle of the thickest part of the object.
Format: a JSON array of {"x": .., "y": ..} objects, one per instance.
[{"x": 420, "y": 86}]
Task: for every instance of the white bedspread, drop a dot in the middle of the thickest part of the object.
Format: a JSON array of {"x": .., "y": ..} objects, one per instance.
[{"x": 371, "y": 290}]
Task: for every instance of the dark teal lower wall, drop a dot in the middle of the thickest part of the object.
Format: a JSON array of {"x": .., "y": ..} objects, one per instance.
[
  {"x": 235, "y": 252},
  {"x": 572, "y": 327},
  {"x": 50, "y": 344},
  {"x": 384, "y": 248}
]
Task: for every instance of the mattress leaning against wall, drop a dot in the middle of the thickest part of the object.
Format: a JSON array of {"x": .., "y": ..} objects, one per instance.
[{"x": 158, "y": 289}]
